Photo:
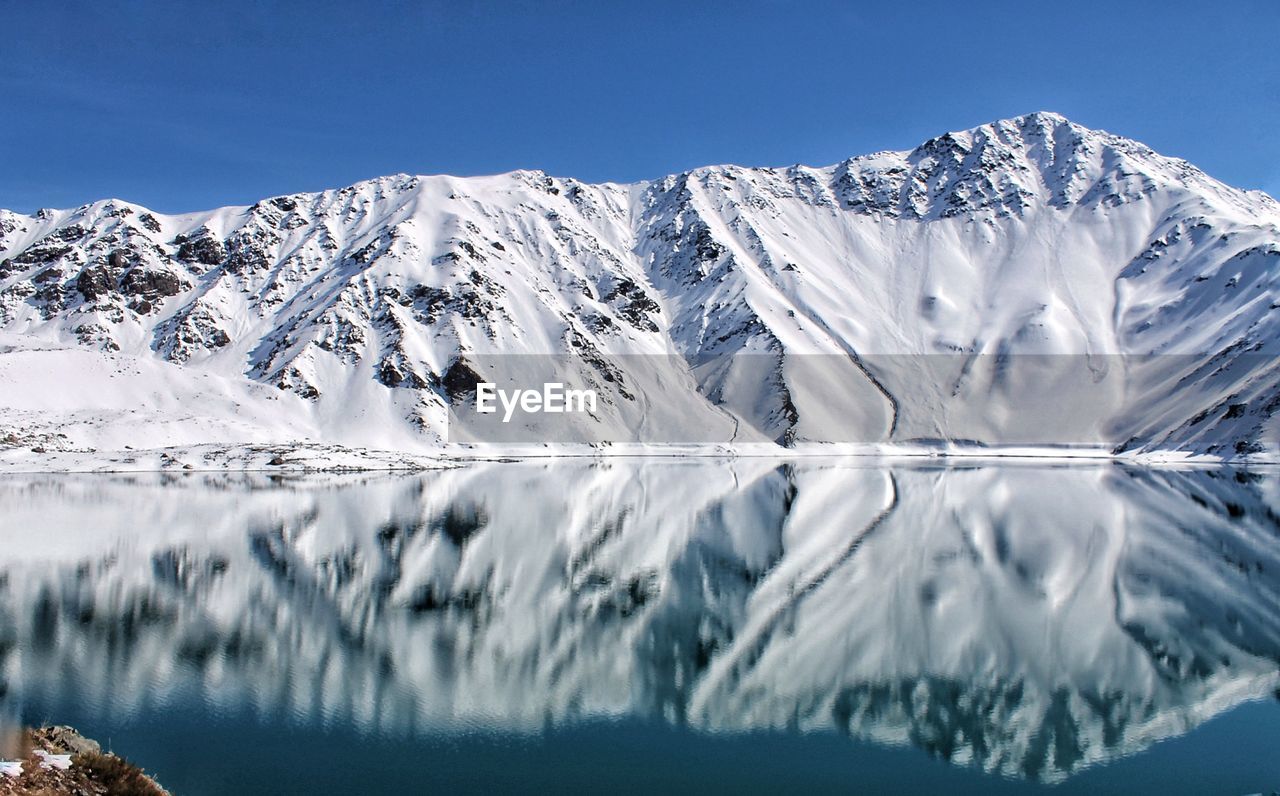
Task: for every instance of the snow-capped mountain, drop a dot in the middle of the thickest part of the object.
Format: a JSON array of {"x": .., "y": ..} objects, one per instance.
[
  {"x": 1026, "y": 282},
  {"x": 1028, "y": 620}
]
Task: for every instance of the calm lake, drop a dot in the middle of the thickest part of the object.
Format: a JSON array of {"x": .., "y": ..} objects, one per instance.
[{"x": 638, "y": 625}]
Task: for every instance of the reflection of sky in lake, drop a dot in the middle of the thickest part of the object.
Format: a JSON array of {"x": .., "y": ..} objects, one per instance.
[{"x": 1028, "y": 622}]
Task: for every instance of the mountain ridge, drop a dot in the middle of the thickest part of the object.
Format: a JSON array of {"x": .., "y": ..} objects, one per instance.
[{"x": 1026, "y": 236}]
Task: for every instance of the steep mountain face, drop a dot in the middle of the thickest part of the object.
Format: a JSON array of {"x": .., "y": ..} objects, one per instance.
[
  {"x": 1029, "y": 621},
  {"x": 1027, "y": 282}
]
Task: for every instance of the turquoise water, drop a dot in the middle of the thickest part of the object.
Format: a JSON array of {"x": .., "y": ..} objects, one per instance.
[
  {"x": 630, "y": 626},
  {"x": 194, "y": 754}
]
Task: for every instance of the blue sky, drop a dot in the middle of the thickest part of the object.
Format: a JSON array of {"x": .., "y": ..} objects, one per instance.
[{"x": 182, "y": 106}]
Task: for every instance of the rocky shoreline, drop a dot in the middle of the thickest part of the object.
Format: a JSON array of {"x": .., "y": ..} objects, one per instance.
[{"x": 59, "y": 760}]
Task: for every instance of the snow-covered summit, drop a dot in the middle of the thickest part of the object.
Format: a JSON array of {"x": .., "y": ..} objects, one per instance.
[{"x": 1028, "y": 236}]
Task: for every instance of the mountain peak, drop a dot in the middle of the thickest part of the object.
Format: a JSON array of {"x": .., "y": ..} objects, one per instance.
[
  {"x": 1030, "y": 234},
  {"x": 1049, "y": 117}
]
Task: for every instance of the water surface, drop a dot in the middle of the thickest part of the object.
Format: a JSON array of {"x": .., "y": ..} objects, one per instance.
[{"x": 630, "y": 625}]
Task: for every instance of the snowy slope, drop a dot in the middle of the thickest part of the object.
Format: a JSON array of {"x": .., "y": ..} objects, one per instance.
[
  {"x": 1028, "y": 282},
  {"x": 1028, "y": 620}
]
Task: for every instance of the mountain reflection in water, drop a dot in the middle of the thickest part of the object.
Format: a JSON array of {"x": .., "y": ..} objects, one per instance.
[{"x": 1026, "y": 621}]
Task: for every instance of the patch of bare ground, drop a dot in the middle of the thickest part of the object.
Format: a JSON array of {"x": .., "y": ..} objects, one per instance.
[{"x": 58, "y": 760}]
